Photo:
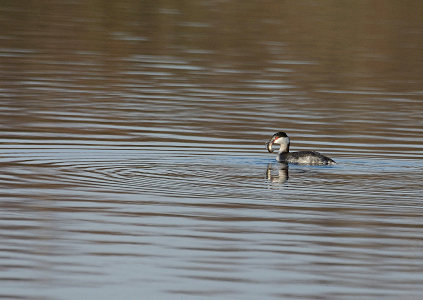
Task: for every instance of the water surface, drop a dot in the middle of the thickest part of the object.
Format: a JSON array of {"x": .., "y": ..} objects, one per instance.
[{"x": 132, "y": 157}]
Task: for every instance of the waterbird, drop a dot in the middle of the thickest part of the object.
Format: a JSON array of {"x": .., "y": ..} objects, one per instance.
[{"x": 301, "y": 157}]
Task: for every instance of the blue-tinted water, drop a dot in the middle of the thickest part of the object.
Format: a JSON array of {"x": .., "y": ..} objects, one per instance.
[{"x": 133, "y": 160}]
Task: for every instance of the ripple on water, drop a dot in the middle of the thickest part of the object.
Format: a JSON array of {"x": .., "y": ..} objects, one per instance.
[{"x": 149, "y": 172}]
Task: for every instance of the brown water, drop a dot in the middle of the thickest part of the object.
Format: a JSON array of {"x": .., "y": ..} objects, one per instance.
[{"x": 132, "y": 158}]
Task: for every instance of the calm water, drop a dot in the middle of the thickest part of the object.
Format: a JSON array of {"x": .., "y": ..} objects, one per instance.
[{"x": 132, "y": 158}]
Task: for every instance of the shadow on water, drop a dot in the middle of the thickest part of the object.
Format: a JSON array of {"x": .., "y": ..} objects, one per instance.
[
  {"x": 280, "y": 176},
  {"x": 280, "y": 172}
]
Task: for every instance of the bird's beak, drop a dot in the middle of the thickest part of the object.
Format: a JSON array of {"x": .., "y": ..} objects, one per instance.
[{"x": 269, "y": 145}]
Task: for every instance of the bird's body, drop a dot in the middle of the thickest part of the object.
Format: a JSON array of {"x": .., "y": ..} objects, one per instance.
[
  {"x": 301, "y": 157},
  {"x": 305, "y": 158}
]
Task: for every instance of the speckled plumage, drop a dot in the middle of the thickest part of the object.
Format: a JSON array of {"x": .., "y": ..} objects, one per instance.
[
  {"x": 301, "y": 157},
  {"x": 305, "y": 157}
]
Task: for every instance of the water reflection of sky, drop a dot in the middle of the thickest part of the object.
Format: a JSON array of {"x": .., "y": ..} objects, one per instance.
[{"x": 132, "y": 158}]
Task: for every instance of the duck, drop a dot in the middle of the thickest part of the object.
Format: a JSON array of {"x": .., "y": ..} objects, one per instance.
[{"x": 301, "y": 157}]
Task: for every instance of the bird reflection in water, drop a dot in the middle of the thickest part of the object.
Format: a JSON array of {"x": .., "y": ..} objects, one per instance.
[{"x": 282, "y": 173}]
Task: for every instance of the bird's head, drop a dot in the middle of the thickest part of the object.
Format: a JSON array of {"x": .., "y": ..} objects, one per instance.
[{"x": 279, "y": 138}]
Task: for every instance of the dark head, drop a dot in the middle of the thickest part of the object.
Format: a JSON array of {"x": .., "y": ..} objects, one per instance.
[{"x": 279, "y": 138}]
